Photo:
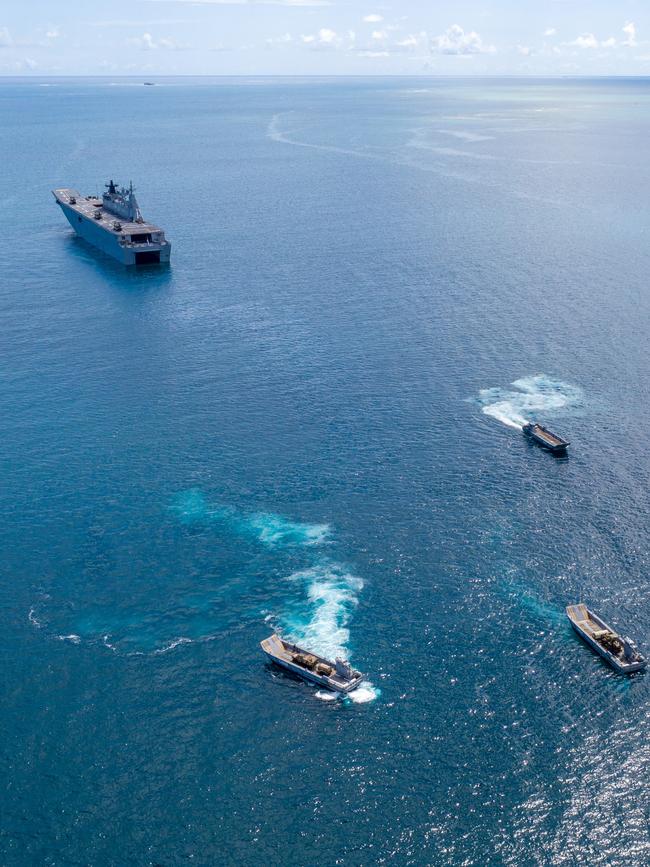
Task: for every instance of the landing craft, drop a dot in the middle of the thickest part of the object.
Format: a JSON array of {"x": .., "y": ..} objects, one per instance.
[
  {"x": 620, "y": 652},
  {"x": 338, "y": 676},
  {"x": 545, "y": 438},
  {"x": 115, "y": 225}
]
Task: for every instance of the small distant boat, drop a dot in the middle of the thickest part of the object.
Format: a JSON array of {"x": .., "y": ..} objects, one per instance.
[
  {"x": 620, "y": 652},
  {"x": 545, "y": 437},
  {"x": 338, "y": 676},
  {"x": 149, "y": 83}
]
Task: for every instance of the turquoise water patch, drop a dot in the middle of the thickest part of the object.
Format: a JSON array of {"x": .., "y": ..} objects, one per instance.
[
  {"x": 191, "y": 506},
  {"x": 269, "y": 528},
  {"x": 153, "y": 620},
  {"x": 324, "y": 594},
  {"x": 525, "y": 598}
]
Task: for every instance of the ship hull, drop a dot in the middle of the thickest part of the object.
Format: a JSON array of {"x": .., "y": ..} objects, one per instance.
[
  {"x": 621, "y": 668},
  {"x": 310, "y": 676},
  {"x": 108, "y": 242},
  {"x": 545, "y": 438}
]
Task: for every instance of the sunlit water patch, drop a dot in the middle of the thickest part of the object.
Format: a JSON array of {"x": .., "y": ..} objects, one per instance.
[
  {"x": 530, "y": 601},
  {"x": 527, "y": 398}
]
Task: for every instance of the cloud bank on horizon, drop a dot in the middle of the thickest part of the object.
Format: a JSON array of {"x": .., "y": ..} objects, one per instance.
[{"x": 325, "y": 37}]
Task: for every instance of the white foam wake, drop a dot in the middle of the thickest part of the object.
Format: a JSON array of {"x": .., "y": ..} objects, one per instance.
[
  {"x": 527, "y": 398},
  {"x": 364, "y": 693},
  {"x": 320, "y": 620},
  {"x": 275, "y": 530},
  {"x": 172, "y": 644}
]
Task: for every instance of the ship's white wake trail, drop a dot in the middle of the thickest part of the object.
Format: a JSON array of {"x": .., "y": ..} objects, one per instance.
[
  {"x": 528, "y": 398},
  {"x": 276, "y": 133},
  {"x": 319, "y": 621},
  {"x": 330, "y": 593}
]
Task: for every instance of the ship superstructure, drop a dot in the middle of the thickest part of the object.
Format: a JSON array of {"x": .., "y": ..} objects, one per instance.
[{"x": 115, "y": 225}]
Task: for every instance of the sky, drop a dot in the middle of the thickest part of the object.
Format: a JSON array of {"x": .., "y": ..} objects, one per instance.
[{"x": 324, "y": 37}]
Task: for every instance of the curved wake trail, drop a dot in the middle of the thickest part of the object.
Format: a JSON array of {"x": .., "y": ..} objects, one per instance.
[
  {"x": 323, "y": 595},
  {"x": 315, "y": 613},
  {"x": 275, "y": 133},
  {"x": 527, "y": 398}
]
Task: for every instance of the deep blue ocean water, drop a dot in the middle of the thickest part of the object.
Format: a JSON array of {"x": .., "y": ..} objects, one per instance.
[{"x": 310, "y": 421}]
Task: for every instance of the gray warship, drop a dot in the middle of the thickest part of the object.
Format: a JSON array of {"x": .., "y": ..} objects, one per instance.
[{"x": 115, "y": 225}]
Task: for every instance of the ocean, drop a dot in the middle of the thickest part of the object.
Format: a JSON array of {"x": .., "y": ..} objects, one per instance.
[{"x": 311, "y": 421}]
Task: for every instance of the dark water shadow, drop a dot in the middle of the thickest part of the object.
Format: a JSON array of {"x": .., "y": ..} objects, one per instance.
[
  {"x": 123, "y": 277},
  {"x": 562, "y": 457}
]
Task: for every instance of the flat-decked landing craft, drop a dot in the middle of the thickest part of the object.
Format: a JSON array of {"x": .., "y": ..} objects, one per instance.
[
  {"x": 545, "y": 437},
  {"x": 620, "y": 652},
  {"x": 339, "y": 676}
]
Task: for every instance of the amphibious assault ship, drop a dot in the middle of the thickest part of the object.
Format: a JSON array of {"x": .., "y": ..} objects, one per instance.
[{"x": 115, "y": 225}]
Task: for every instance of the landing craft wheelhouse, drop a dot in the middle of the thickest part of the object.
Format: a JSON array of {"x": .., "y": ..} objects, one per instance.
[{"x": 115, "y": 225}]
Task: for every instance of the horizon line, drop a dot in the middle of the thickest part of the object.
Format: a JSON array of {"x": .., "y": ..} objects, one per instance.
[{"x": 147, "y": 76}]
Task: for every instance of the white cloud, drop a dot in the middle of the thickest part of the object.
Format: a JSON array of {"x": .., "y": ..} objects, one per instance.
[
  {"x": 146, "y": 42},
  {"x": 327, "y": 36},
  {"x": 5, "y": 38},
  {"x": 586, "y": 40},
  {"x": 379, "y": 35},
  {"x": 373, "y": 19},
  {"x": 53, "y": 33},
  {"x": 412, "y": 41},
  {"x": 630, "y": 34},
  {"x": 524, "y": 50},
  {"x": 456, "y": 41},
  {"x": 280, "y": 40},
  {"x": 550, "y": 31}
]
